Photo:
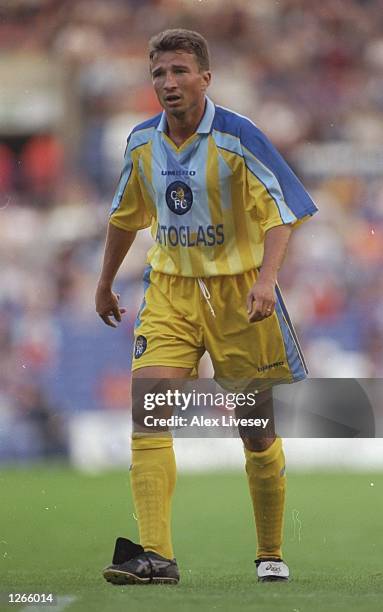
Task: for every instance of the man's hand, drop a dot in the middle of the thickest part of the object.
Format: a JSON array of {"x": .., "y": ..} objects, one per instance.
[
  {"x": 107, "y": 305},
  {"x": 118, "y": 243},
  {"x": 261, "y": 299}
]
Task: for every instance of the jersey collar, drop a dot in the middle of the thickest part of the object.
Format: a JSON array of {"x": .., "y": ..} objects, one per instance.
[{"x": 206, "y": 121}]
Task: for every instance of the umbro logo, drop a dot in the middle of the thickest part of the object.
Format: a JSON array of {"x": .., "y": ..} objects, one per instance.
[
  {"x": 178, "y": 172},
  {"x": 269, "y": 366}
]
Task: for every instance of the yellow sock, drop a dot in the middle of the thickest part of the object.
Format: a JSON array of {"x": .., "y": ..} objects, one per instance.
[
  {"x": 267, "y": 483},
  {"x": 153, "y": 478}
]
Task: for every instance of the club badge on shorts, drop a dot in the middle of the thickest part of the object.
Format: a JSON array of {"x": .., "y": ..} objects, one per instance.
[{"x": 140, "y": 346}]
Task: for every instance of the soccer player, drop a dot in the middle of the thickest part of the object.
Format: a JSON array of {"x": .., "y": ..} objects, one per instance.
[{"x": 221, "y": 203}]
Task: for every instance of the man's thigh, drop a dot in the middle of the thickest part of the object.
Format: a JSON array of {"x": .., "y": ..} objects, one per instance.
[
  {"x": 242, "y": 352},
  {"x": 167, "y": 331}
]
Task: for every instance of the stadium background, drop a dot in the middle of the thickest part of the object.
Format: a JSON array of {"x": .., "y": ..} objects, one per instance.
[{"x": 74, "y": 80}]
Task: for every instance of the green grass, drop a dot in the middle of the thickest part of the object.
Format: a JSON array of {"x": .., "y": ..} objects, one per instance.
[{"x": 57, "y": 530}]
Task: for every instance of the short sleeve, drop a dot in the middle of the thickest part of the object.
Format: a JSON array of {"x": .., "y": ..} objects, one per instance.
[
  {"x": 129, "y": 211},
  {"x": 273, "y": 189}
]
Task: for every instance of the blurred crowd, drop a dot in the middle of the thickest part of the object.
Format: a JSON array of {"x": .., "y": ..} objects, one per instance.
[{"x": 76, "y": 73}]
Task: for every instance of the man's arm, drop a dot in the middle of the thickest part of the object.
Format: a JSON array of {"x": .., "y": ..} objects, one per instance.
[
  {"x": 261, "y": 298},
  {"x": 118, "y": 243}
]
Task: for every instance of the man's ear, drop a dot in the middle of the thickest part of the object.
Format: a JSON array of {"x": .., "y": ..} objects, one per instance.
[{"x": 206, "y": 75}]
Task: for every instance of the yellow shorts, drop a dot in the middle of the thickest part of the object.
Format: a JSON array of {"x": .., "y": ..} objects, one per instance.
[{"x": 175, "y": 325}]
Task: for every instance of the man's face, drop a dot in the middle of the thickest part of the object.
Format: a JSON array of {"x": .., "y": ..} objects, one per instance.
[{"x": 179, "y": 83}]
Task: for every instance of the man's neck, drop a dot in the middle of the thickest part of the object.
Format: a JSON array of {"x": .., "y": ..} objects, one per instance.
[{"x": 180, "y": 128}]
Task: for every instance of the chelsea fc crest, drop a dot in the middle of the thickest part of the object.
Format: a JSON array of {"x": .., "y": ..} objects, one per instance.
[
  {"x": 179, "y": 197},
  {"x": 140, "y": 346}
]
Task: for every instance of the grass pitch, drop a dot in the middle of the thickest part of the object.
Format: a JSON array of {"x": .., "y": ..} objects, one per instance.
[{"x": 57, "y": 531}]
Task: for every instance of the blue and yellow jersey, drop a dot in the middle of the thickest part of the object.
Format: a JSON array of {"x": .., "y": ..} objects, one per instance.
[{"x": 210, "y": 201}]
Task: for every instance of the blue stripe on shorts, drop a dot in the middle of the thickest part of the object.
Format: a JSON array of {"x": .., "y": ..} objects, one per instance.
[
  {"x": 146, "y": 282},
  {"x": 294, "y": 353}
]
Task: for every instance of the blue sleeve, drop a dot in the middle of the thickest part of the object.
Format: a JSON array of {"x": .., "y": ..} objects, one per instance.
[{"x": 268, "y": 166}]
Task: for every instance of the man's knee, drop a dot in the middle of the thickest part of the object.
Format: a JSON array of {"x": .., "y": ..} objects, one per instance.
[{"x": 257, "y": 444}]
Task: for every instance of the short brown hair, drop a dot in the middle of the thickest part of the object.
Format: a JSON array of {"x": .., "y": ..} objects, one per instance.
[{"x": 181, "y": 40}]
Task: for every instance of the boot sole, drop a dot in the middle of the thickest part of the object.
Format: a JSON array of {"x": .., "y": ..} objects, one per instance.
[
  {"x": 118, "y": 577},
  {"x": 272, "y": 579}
]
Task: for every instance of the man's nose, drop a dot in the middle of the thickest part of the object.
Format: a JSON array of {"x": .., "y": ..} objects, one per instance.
[{"x": 170, "y": 81}]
